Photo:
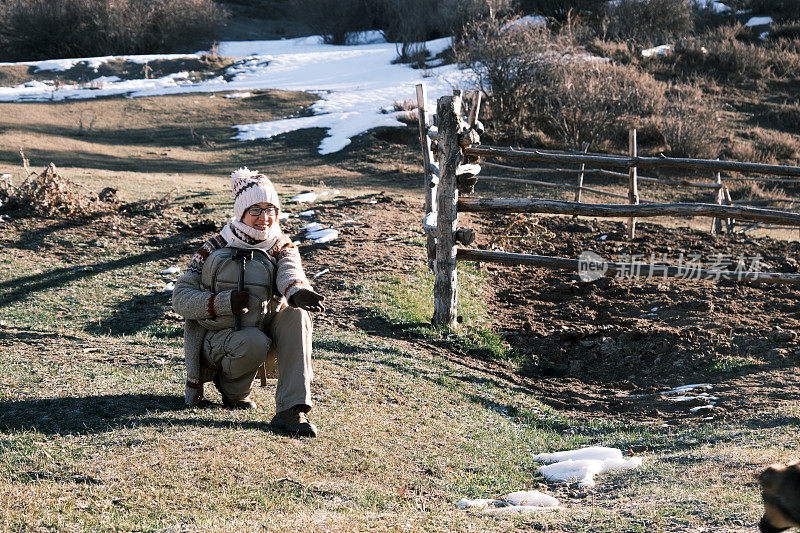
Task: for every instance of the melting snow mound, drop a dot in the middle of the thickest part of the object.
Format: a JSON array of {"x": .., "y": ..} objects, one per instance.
[
  {"x": 600, "y": 453},
  {"x": 583, "y": 464},
  {"x": 520, "y": 502}
]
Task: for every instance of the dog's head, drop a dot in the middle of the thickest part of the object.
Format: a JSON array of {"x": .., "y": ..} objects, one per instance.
[{"x": 780, "y": 489}]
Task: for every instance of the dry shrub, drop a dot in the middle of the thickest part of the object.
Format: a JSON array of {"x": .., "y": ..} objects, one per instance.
[
  {"x": 562, "y": 10},
  {"x": 781, "y": 9},
  {"x": 508, "y": 65},
  {"x": 729, "y": 53},
  {"x": 50, "y": 194},
  {"x": 578, "y": 102},
  {"x": 44, "y": 29},
  {"x": 690, "y": 127},
  {"x": 757, "y": 193},
  {"x": 540, "y": 80},
  {"x": 772, "y": 146},
  {"x": 619, "y": 52},
  {"x": 786, "y": 117},
  {"x": 648, "y": 21},
  {"x": 336, "y": 21}
]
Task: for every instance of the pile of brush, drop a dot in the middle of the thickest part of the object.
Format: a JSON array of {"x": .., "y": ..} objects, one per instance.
[{"x": 51, "y": 194}]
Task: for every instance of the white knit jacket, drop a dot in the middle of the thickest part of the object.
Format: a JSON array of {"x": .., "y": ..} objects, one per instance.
[{"x": 193, "y": 303}]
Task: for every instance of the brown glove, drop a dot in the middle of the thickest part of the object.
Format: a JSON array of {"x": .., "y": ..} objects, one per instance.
[
  {"x": 308, "y": 300},
  {"x": 239, "y": 301}
]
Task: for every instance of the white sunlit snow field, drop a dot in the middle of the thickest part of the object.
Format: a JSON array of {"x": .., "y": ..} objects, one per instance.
[{"x": 358, "y": 85}]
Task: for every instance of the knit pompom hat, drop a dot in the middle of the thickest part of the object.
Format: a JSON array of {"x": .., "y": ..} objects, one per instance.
[{"x": 250, "y": 187}]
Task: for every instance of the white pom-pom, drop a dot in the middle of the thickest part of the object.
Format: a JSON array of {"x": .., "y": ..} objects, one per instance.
[{"x": 243, "y": 172}]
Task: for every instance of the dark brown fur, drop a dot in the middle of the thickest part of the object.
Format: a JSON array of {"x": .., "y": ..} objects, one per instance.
[{"x": 780, "y": 490}]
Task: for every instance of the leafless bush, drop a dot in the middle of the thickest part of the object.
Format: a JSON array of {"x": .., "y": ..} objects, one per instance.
[
  {"x": 410, "y": 23},
  {"x": 782, "y": 9},
  {"x": 729, "y": 53},
  {"x": 786, "y": 117},
  {"x": 562, "y": 9},
  {"x": 578, "y": 102},
  {"x": 335, "y": 20},
  {"x": 540, "y": 80},
  {"x": 691, "y": 129},
  {"x": 773, "y": 146},
  {"x": 507, "y": 65},
  {"x": 43, "y": 29},
  {"x": 647, "y": 21}
]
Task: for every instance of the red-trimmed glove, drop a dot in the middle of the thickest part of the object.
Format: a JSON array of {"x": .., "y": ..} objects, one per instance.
[
  {"x": 239, "y": 301},
  {"x": 308, "y": 300}
]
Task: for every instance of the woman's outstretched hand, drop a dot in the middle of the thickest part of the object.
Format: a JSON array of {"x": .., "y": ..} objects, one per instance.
[{"x": 308, "y": 300}]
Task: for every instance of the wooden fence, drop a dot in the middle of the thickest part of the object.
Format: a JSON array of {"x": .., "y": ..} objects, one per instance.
[{"x": 450, "y": 169}]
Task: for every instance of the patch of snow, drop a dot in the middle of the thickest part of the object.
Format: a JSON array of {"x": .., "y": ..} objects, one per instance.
[
  {"x": 169, "y": 287},
  {"x": 517, "y": 509},
  {"x": 600, "y": 453},
  {"x": 758, "y": 21},
  {"x": 464, "y": 503},
  {"x": 684, "y": 398},
  {"x": 583, "y": 464},
  {"x": 583, "y": 471},
  {"x": 347, "y": 222},
  {"x": 714, "y": 6},
  {"x": 283, "y": 216},
  {"x": 170, "y": 271},
  {"x": 687, "y": 388},
  {"x": 526, "y": 21},
  {"x": 702, "y": 408},
  {"x": 661, "y": 50},
  {"x": 323, "y": 235},
  {"x": 237, "y": 95},
  {"x": 311, "y": 226},
  {"x": 321, "y": 273},
  {"x": 524, "y": 502},
  {"x": 309, "y": 213},
  {"x": 531, "y": 498},
  {"x": 763, "y": 35},
  {"x": 304, "y": 197}
]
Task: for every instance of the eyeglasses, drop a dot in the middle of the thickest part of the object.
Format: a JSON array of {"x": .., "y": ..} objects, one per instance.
[{"x": 256, "y": 210}]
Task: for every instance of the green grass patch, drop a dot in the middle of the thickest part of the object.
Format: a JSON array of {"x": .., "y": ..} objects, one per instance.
[{"x": 407, "y": 301}]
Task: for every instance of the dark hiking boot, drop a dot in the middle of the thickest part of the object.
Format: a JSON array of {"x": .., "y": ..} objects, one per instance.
[
  {"x": 294, "y": 422},
  {"x": 245, "y": 403}
]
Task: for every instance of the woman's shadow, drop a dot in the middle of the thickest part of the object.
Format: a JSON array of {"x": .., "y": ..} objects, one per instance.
[{"x": 96, "y": 414}]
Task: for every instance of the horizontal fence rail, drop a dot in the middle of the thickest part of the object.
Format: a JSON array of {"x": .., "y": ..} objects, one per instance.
[
  {"x": 602, "y": 173},
  {"x": 642, "y": 270},
  {"x": 639, "y": 162},
  {"x": 532, "y": 205}
]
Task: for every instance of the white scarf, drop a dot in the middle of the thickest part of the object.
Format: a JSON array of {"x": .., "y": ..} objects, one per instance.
[{"x": 239, "y": 235}]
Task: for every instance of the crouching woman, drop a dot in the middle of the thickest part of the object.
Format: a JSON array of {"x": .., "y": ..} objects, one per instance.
[{"x": 246, "y": 300}]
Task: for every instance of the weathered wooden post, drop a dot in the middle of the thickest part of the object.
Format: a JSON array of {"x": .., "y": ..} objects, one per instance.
[
  {"x": 633, "y": 182},
  {"x": 716, "y": 223},
  {"x": 579, "y": 187},
  {"x": 730, "y": 222},
  {"x": 430, "y": 180},
  {"x": 445, "y": 287}
]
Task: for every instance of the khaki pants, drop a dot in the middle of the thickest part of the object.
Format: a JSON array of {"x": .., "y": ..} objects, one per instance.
[{"x": 236, "y": 355}]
